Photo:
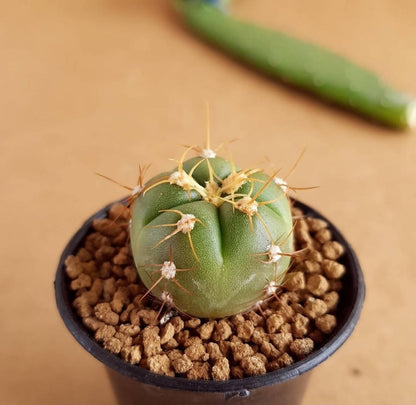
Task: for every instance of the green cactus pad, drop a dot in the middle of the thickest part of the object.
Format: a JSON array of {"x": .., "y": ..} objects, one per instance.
[{"x": 222, "y": 262}]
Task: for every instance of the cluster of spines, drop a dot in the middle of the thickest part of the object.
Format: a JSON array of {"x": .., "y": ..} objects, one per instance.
[{"x": 217, "y": 191}]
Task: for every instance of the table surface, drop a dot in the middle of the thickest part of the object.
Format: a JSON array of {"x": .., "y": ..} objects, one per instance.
[{"x": 103, "y": 85}]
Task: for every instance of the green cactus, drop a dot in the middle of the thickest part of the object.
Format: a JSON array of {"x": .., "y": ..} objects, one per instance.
[
  {"x": 301, "y": 64},
  {"x": 209, "y": 239}
]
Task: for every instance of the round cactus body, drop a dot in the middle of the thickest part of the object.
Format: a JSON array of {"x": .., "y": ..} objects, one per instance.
[{"x": 212, "y": 240}]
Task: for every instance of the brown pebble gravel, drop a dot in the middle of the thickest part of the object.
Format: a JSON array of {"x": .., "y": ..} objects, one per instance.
[
  {"x": 221, "y": 369},
  {"x": 205, "y": 331},
  {"x": 222, "y": 331},
  {"x": 274, "y": 322},
  {"x": 214, "y": 351},
  {"x": 326, "y": 323},
  {"x": 151, "y": 341},
  {"x": 199, "y": 371},
  {"x": 113, "y": 345},
  {"x": 315, "y": 307},
  {"x": 333, "y": 269},
  {"x": 196, "y": 351},
  {"x": 107, "y": 295},
  {"x": 332, "y": 250},
  {"x": 331, "y": 300},
  {"x": 182, "y": 364},
  {"x": 317, "y": 285},
  {"x": 132, "y": 354},
  {"x": 92, "y": 323},
  {"x": 167, "y": 333},
  {"x": 253, "y": 365},
  {"x": 281, "y": 340},
  {"x": 302, "y": 347},
  {"x": 160, "y": 364},
  {"x": 245, "y": 330},
  {"x": 104, "y": 313},
  {"x": 295, "y": 281},
  {"x": 285, "y": 360}
]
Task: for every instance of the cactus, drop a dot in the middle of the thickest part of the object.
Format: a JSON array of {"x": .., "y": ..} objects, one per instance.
[
  {"x": 301, "y": 64},
  {"x": 209, "y": 239}
]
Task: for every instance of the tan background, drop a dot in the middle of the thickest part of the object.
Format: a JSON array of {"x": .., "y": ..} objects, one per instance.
[{"x": 106, "y": 84}]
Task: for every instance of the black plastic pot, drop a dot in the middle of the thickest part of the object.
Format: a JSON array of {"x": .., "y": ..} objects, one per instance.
[{"x": 135, "y": 385}]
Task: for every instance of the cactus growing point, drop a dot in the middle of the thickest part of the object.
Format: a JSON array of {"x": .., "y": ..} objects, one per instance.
[{"x": 209, "y": 239}]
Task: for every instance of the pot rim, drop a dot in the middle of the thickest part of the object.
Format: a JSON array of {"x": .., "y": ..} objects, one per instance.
[{"x": 80, "y": 333}]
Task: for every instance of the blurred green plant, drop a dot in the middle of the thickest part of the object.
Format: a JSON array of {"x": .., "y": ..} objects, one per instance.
[{"x": 301, "y": 64}]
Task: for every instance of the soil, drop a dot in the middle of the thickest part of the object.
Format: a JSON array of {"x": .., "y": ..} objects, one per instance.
[{"x": 274, "y": 334}]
